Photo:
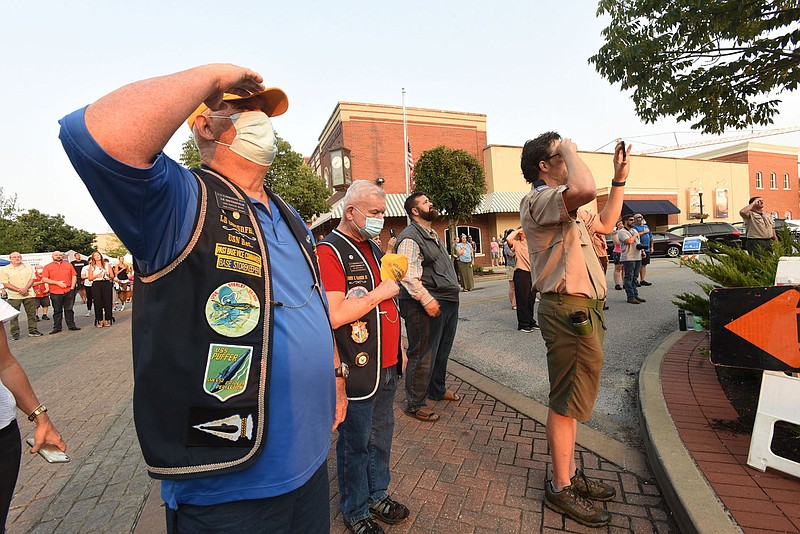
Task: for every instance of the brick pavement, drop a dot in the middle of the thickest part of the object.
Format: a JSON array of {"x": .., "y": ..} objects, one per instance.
[
  {"x": 759, "y": 502},
  {"x": 88, "y": 394},
  {"x": 481, "y": 469}
]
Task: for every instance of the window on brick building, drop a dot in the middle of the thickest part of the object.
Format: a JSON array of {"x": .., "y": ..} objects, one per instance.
[
  {"x": 773, "y": 181},
  {"x": 786, "y": 181},
  {"x": 759, "y": 181},
  {"x": 787, "y": 214}
]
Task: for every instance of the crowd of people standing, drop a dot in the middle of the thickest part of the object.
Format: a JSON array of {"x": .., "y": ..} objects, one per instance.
[{"x": 59, "y": 283}]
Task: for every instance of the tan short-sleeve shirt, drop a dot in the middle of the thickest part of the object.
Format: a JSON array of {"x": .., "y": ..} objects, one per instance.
[
  {"x": 759, "y": 226},
  {"x": 560, "y": 246},
  {"x": 18, "y": 276}
]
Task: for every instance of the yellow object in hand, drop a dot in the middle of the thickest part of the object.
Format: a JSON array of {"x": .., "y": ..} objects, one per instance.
[{"x": 393, "y": 267}]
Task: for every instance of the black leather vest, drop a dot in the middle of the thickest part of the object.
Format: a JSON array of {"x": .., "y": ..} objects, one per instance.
[
  {"x": 359, "y": 343},
  {"x": 202, "y": 330}
]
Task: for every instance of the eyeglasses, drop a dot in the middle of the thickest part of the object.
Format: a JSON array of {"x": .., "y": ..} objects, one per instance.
[{"x": 551, "y": 157}]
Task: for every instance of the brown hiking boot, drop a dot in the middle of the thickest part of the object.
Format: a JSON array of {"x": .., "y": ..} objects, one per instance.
[
  {"x": 591, "y": 488},
  {"x": 570, "y": 503}
]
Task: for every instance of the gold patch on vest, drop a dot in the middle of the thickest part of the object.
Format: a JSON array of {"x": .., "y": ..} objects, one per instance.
[
  {"x": 236, "y": 215},
  {"x": 361, "y": 359},
  {"x": 359, "y": 333},
  {"x": 231, "y": 258}
]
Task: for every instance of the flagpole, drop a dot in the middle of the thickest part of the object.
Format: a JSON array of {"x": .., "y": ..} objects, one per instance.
[{"x": 405, "y": 140}]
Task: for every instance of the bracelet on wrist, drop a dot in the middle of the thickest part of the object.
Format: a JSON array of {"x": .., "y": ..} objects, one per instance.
[
  {"x": 39, "y": 410},
  {"x": 614, "y": 183}
]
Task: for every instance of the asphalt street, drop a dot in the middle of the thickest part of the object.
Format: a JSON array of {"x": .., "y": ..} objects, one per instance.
[{"x": 488, "y": 342}]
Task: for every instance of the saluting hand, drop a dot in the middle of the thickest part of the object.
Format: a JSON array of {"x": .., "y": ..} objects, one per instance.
[{"x": 234, "y": 80}]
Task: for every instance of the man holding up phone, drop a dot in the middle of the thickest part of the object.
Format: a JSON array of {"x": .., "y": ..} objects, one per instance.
[{"x": 571, "y": 308}]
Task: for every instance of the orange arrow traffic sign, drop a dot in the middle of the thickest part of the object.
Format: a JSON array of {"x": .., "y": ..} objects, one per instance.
[{"x": 774, "y": 327}]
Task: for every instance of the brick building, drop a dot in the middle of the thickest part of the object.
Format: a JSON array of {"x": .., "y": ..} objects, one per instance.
[
  {"x": 365, "y": 142},
  {"x": 772, "y": 174}
]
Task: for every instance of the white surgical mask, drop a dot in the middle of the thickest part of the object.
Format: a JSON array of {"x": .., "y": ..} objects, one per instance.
[
  {"x": 372, "y": 226},
  {"x": 255, "y": 139}
]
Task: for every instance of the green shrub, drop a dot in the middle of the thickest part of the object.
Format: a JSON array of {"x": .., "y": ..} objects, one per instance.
[{"x": 726, "y": 266}]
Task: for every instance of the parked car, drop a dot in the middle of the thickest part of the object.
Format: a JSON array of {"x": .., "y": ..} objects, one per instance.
[
  {"x": 666, "y": 244},
  {"x": 663, "y": 243},
  {"x": 714, "y": 231},
  {"x": 794, "y": 228}
]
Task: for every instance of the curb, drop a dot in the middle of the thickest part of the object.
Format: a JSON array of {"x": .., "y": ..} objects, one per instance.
[{"x": 693, "y": 503}]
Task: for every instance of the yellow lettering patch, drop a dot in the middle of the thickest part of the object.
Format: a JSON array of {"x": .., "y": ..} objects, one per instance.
[{"x": 237, "y": 259}]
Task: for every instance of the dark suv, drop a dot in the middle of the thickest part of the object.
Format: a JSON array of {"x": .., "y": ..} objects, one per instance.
[{"x": 715, "y": 231}]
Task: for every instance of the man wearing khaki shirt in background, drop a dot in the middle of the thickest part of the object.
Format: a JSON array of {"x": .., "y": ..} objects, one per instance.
[
  {"x": 566, "y": 272},
  {"x": 759, "y": 226},
  {"x": 18, "y": 277}
]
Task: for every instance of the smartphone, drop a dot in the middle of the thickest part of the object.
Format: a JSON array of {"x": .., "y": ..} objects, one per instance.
[
  {"x": 624, "y": 152},
  {"x": 50, "y": 452},
  {"x": 391, "y": 232}
]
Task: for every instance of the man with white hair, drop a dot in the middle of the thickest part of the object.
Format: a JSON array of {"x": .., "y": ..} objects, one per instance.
[
  {"x": 18, "y": 278},
  {"x": 367, "y": 329},
  {"x": 230, "y": 326}
]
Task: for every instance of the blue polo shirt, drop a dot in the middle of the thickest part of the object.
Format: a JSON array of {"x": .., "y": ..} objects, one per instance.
[
  {"x": 152, "y": 211},
  {"x": 644, "y": 238}
]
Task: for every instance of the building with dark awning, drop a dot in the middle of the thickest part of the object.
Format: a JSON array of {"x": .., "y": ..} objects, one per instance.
[{"x": 650, "y": 207}]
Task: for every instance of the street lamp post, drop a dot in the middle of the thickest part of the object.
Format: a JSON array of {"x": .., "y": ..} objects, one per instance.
[{"x": 700, "y": 194}]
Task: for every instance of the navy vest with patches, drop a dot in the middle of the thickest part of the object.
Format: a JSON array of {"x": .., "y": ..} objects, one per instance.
[
  {"x": 202, "y": 328},
  {"x": 364, "y": 358}
]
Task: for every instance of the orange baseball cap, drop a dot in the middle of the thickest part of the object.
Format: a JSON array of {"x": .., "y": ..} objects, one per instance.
[{"x": 273, "y": 100}]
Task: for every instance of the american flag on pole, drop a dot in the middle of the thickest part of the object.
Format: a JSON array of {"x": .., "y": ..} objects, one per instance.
[{"x": 410, "y": 163}]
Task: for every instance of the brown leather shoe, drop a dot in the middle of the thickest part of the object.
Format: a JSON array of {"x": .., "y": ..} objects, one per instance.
[
  {"x": 571, "y": 504},
  {"x": 591, "y": 488}
]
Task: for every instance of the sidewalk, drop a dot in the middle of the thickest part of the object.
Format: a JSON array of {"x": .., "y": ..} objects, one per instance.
[
  {"x": 701, "y": 467},
  {"x": 481, "y": 468}
]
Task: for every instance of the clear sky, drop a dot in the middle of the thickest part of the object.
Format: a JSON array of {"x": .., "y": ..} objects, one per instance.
[{"x": 522, "y": 63}]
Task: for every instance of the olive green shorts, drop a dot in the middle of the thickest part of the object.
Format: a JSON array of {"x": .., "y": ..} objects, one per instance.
[{"x": 574, "y": 362}]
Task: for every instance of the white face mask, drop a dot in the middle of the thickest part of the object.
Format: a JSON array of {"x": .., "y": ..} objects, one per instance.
[
  {"x": 372, "y": 225},
  {"x": 255, "y": 139}
]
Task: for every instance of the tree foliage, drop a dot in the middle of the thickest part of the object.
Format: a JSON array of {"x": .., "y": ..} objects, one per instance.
[
  {"x": 297, "y": 183},
  {"x": 719, "y": 63},
  {"x": 8, "y": 205},
  {"x": 726, "y": 266},
  {"x": 190, "y": 155},
  {"x": 288, "y": 176},
  {"x": 34, "y": 231},
  {"x": 115, "y": 249},
  {"x": 453, "y": 180}
]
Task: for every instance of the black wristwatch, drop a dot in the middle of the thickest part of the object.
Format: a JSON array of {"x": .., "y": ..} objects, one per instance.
[{"x": 343, "y": 371}]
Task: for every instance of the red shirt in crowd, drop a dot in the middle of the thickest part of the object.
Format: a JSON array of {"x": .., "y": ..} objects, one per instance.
[{"x": 59, "y": 271}]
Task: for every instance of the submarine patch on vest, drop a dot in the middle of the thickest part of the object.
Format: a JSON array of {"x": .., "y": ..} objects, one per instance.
[
  {"x": 237, "y": 259},
  {"x": 227, "y": 369},
  {"x": 232, "y": 310},
  {"x": 232, "y": 427}
]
